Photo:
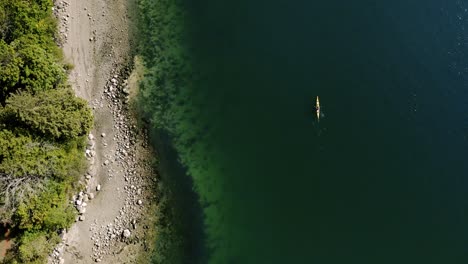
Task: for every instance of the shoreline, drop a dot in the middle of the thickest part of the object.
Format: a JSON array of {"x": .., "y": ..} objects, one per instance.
[{"x": 115, "y": 204}]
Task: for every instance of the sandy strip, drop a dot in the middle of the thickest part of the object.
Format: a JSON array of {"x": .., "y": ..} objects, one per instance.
[{"x": 110, "y": 230}]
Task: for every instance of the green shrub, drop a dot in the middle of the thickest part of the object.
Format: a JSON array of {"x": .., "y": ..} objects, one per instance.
[
  {"x": 36, "y": 246},
  {"x": 46, "y": 211},
  {"x": 9, "y": 66}
]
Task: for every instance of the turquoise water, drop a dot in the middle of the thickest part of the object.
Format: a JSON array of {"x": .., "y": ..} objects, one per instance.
[{"x": 380, "y": 179}]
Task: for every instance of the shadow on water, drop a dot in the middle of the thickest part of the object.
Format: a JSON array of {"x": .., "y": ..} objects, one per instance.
[{"x": 186, "y": 212}]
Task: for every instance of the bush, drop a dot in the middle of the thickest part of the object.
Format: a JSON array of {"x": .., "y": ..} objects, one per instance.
[
  {"x": 35, "y": 247},
  {"x": 9, "y": 66},
  {"x": 46, "y": 211}
]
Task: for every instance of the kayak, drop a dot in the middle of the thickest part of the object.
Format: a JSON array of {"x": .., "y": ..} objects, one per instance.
[{"x": 317, "y": 108}]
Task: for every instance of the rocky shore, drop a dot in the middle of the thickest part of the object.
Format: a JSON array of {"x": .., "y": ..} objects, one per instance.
[{"x": 115, "y": 202}]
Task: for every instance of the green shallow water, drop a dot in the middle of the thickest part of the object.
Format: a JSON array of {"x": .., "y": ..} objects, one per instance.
[{"x": 380, "y": 179}]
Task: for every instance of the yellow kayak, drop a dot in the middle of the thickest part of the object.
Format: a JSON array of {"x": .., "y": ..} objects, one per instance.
[{"x": 317, "y": 108}]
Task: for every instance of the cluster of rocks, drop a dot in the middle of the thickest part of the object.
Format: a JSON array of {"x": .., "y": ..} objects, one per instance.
[
  {"x": 121, "y": 160},
  {"x": 117, "y": 92},
  {"x": 56, "y": 254},
  {"x": 61, "y": 13},
  {"x": 107, "y": 236},
  {"x": 123, "y": 228},
  {"x": 79, "y": 200},
  {"x": 63, "y": 17}
]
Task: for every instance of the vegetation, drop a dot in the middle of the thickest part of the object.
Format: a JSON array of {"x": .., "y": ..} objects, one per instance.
[
  {"x": 54, "y": 114},
  {"x": 166, "y": 72},
  {"x": 170, "y": 101},
  {"x": 43, "y": 127}
]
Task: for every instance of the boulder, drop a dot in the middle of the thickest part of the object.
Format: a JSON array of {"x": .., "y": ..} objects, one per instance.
[{"x": 126, "y": 233}]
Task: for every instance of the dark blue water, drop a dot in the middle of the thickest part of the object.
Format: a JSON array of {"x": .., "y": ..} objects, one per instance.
[{"x": 382, "y": 178}]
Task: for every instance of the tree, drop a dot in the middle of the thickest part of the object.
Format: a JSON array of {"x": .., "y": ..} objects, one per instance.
[
  {"x": 29, "y": 165},
  {"x": 25, "y": 166},
  {"x": 55, "y": 114},
  {"x": 25, "y": 17},
  {"x": 21, "y": 156},
  {"x": 43, "y": 128},
  {"x": 25, "y": 65},
  {"x": 9, "y": 66}
]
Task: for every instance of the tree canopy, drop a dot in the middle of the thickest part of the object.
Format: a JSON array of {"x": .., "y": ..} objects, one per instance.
[
  {"x": 26, "y": 66},
  {"x": 19, "y": 18},
  {"x": 56, "y": 114},
  {"x": 43, "y": 128}
]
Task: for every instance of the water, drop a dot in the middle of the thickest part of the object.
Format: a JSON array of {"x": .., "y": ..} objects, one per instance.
[{"x": 380, "y": 179}]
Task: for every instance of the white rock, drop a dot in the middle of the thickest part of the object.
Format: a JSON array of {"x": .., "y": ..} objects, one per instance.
[
  {"x": 139, "y": 202},
  {"x": 91, "y": 196},
  {"x": 103, "y": 135},
  {"x": 126, "y": 233},
  {"x": 91, "y": 144},
  {"x": 82, "y": 218},
  {"x": 91, "y": 136},
  {"x": 78, "y": 202},
  {"x": 98, "y": 187}
]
